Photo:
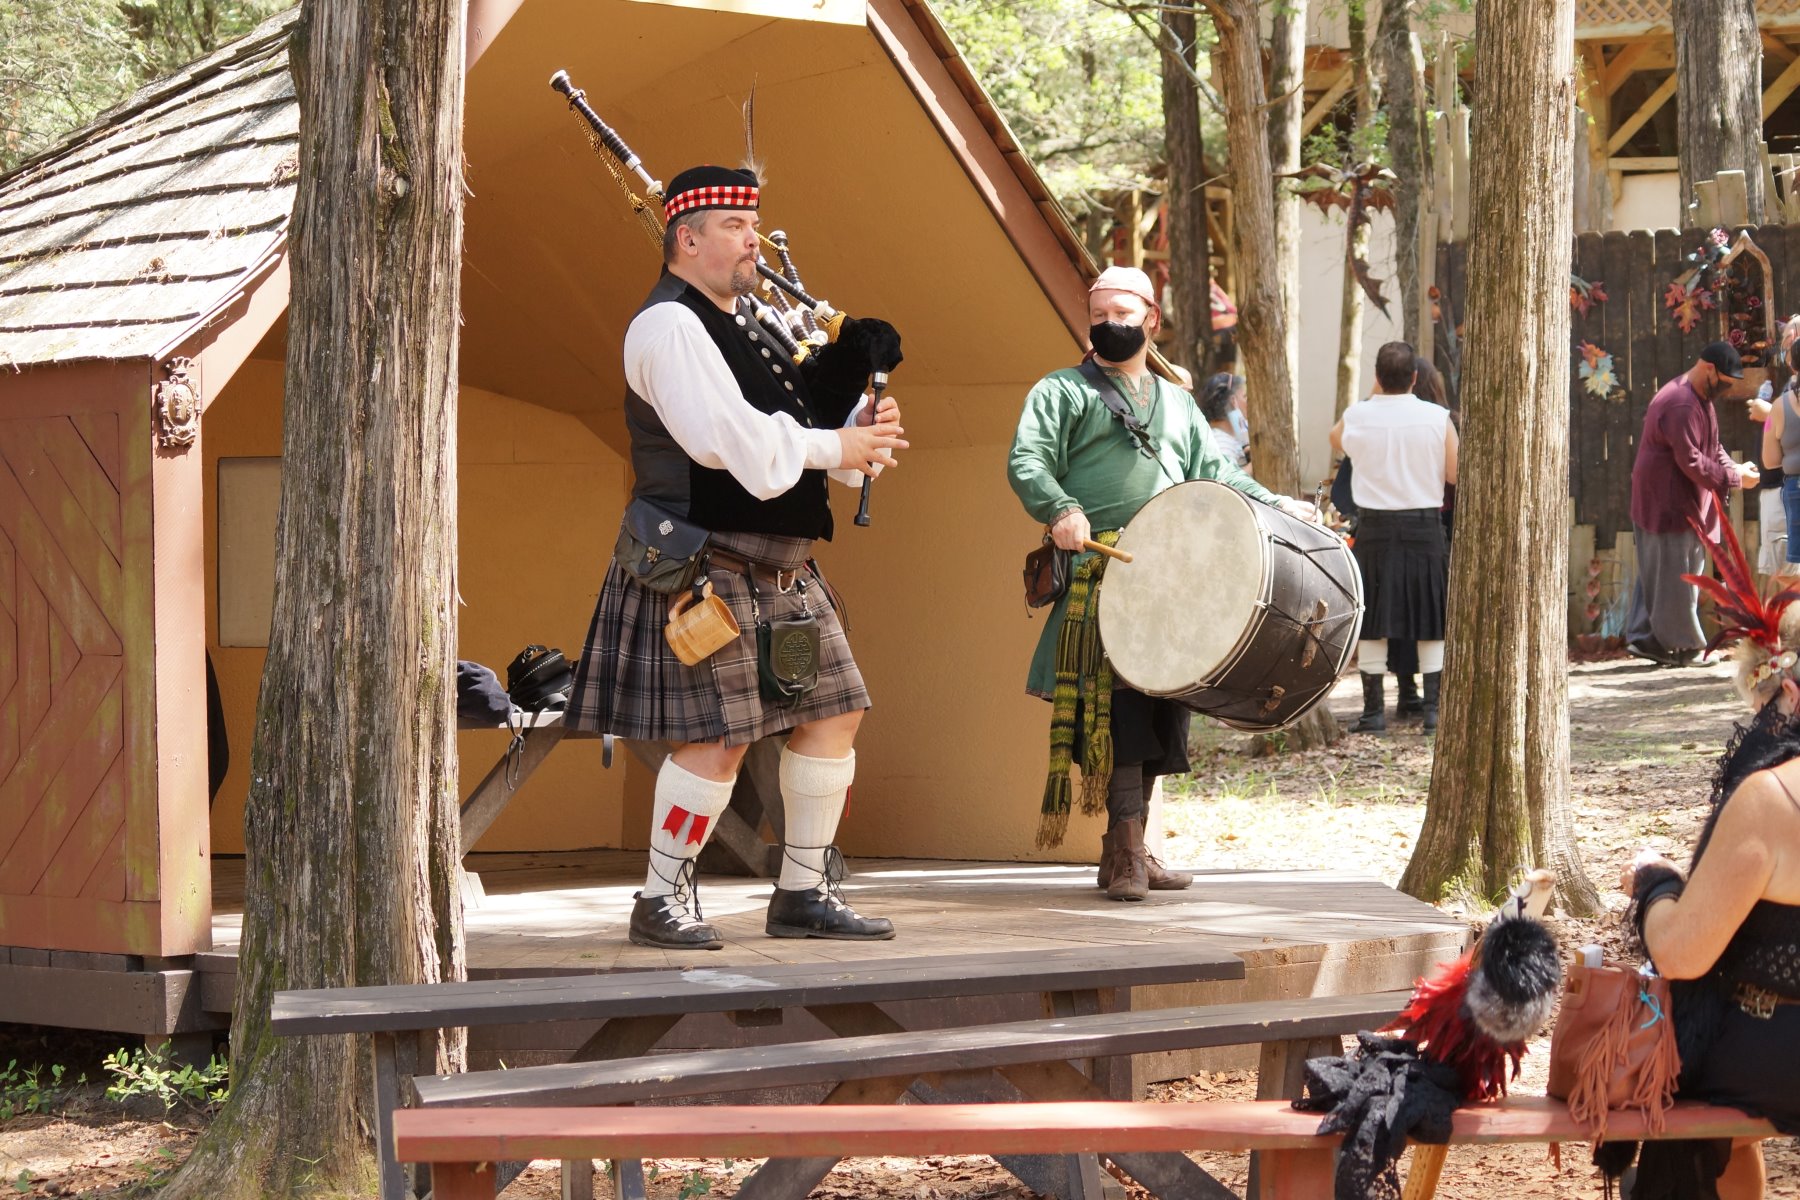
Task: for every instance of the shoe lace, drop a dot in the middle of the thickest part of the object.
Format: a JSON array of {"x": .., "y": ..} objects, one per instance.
[
  {"x": 831, "y": 880},
  {"x": 684, "y": 900}
]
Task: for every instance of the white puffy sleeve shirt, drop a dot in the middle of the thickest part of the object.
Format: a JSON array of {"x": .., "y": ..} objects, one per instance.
[{"x": 672, "y": 363}]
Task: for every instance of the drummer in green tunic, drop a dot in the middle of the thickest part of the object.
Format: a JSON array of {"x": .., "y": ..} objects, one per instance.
[{"x": 1080, "y": 470}]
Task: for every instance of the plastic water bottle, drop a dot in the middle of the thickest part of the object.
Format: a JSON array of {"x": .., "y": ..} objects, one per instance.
[{"x": 1766, "y": 391}]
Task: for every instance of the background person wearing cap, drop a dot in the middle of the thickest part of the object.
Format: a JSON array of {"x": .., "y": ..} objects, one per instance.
[
  {"x": 727, "y": 434},
  {"x": 1680, "y": 475},
  {"x": 1077, "y": 470}
]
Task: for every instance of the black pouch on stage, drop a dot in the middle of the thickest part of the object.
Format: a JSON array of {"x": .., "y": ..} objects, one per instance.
[
  {"x": 659, "y": 549},
  {"x": 1046, "y": 575},
  {"x": 787, "y": 658}
]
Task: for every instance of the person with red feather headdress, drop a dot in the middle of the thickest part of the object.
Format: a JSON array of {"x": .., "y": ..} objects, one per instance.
[{"x": 1727, "y": 933}]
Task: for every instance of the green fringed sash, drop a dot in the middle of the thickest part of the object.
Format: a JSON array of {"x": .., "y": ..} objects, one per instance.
[{"x": 1084, "y": 679}]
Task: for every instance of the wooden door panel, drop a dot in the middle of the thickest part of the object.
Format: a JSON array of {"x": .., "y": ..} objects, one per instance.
[{"x": 65, "y": 756}]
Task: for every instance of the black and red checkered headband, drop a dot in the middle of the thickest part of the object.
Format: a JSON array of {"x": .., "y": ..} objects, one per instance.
[{"x": 717, "y": 196}]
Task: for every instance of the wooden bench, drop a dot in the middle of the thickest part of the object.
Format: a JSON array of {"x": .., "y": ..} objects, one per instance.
[
  {"x": 1036, "y": 1059},
  {"x": 639, "y": 1007},
  {"x": 461, "y": 1144}
]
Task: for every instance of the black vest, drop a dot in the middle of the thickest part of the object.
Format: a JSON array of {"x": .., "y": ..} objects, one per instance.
[{"x": 769, "y": 383}]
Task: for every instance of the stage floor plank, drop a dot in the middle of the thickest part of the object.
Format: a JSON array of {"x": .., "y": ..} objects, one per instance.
[{"x": 568, "y": 911}]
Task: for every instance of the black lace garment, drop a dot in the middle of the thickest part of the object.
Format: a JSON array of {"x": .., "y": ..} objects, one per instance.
[{"x": 1765, "y": 950}]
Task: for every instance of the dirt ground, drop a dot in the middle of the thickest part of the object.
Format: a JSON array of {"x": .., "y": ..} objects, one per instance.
[{"x": 1643, "y": 744}]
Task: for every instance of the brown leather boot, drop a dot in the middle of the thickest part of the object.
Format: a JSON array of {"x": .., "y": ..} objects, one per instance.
[
  {"x": 1106, "y": 850},
  {"x": 1130, "y": 872},
  {"x": 1164, "y": 880}
]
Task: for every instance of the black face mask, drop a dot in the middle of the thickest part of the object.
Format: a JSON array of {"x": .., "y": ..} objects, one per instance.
[{"x": 1116, "y": 342}]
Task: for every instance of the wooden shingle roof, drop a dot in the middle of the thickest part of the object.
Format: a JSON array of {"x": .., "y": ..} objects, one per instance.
[
  {"x": 1654, "y": 14},
  {"x": 121, "y": 240}
]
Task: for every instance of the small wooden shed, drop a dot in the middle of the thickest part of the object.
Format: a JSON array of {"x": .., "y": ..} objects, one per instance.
[{"x": 143, "y": 288}]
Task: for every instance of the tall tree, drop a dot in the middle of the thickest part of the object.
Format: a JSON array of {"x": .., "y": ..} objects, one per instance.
[
  {"x": 1350, "y": 322},
  {"x": 63, "y": 62},
  {"x": 351, "y": 827},
  {"x": 1409, "y": 152},
  {"x": 1500, "y": 778},
  {"x": 1287, "y": 108},
  {"x": 1262, "y": 318},
  {"x": 1718, "y": 96},
  {"x": 1190, "y": 247}
]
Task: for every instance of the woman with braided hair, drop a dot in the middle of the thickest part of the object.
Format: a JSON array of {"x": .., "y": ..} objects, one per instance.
[{"x": 1727, "y": 934}]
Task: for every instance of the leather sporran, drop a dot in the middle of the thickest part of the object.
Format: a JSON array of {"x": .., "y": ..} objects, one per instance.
[
  {"x": 700, "y": 625},
  {"x": 787, "y": 658},
  {"x": 1046, "y": 575},
  {"x": 1614, "y": 1046}
]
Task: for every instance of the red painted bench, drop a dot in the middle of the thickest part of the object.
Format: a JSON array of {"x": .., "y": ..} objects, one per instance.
[{"x": 461, "y": 1143}]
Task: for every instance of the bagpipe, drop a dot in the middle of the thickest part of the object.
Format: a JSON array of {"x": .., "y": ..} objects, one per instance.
[{"x": 798, "y": 321}]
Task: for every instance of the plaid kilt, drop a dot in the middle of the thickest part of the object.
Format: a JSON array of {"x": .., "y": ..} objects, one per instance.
[{"x": 630, "y": 684}]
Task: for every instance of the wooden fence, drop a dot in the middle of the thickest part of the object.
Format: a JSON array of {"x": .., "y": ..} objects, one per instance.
[{"x": 1648, "y": 348}]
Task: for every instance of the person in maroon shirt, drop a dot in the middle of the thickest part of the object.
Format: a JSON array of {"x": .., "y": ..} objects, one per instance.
[{"x": 1681, "y": 472}]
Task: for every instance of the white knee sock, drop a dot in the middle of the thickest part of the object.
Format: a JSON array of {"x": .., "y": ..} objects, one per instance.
[
  {"x": 1431, "y": 657},
  {"x": 1371, "y": 656},
  {"x": 686, "y": 808},
  {"x": 813, "y": 791}
]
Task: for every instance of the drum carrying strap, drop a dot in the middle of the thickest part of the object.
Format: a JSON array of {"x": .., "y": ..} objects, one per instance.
[{"x": 1119, "y": 406}]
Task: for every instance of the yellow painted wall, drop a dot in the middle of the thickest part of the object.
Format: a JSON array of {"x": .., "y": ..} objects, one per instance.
[{"x": 539, "y": 500}]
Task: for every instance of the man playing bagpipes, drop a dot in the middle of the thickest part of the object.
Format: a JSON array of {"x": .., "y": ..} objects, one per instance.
[
  {"x": 1080, "y": 471},
  {"x": 731, "y": 443}
]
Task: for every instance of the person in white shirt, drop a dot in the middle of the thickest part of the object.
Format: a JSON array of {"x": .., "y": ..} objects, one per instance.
[
  {"x": 1405, "y": 452},
  {"x": 732, "y": 441}
]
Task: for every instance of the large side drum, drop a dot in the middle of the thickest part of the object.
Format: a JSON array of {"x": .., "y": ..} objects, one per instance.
[{"x": 1230, "y": 607}]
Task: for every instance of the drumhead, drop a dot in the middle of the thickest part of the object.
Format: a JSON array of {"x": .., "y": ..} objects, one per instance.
[{"x": 1173, "y": 616}]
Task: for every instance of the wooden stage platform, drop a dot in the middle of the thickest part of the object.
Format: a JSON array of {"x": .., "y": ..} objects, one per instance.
[{"x": 1299, "y": 933}]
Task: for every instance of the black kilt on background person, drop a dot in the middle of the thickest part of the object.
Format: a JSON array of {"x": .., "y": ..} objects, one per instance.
[
  {"x": 630, "y": 684},
  {"x": 1405, "y": 565}
]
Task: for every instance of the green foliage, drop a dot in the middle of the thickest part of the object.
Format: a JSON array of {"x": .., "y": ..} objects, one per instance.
[
  {"x": 149, "y": 1073},
  {"x": 25, "y": 1090},
  {"x": 62, "y": 62},
  {"x": 1079, "y": 84}
]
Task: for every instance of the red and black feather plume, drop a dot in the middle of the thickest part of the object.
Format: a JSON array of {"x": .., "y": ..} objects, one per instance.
[{"x": 1740, "y": 608}]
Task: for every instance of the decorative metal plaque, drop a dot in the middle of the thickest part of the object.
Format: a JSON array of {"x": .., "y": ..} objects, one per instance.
[{"x": 176, "y": 402}]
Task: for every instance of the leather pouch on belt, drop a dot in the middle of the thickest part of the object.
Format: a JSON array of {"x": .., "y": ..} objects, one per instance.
[{"x": 787, "y": 658}]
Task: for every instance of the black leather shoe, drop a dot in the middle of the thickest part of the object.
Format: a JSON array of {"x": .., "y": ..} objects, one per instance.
[
  {"x": 673, "y": 922},
  {"x": 821, "y": 911}
]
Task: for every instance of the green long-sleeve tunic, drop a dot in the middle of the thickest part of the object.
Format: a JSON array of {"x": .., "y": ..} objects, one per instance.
[{"x": 1071, "y": 452}]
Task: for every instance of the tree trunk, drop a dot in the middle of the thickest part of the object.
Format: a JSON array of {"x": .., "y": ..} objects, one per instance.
[
  {"x": 1500, "y": 777},
  {"x": 1350, "y": 322},
  {"x": 1287, "y": 107},
  {"x": 351, "y": 828},
  {"x": 1403, "y": 86},
  {"x": 1718, "y": 98},
  {"x": 1190, "y": 251},
  {"x": 1262, "y": 321},
  {"x": 1263, "y": 313}
]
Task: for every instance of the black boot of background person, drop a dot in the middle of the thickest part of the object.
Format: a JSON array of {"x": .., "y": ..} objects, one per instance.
[
  {"x": 1406, "y": 699},
  {"x": 1432, "y": 682},
  {"x": 1372, "y": 719}
]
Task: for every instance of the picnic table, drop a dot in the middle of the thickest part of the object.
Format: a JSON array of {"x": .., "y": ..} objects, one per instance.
[{"x": 638, "y": 1008}]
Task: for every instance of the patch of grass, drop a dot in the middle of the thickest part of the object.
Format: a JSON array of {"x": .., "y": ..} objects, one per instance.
[{"x": 30, "y": 1090}]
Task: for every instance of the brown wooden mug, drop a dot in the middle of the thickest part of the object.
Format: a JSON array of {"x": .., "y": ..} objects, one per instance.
[{"x": 697, "y": 631}]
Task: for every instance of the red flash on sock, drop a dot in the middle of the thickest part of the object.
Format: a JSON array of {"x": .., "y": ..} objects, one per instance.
[
  {"x": 697, "y": 831},
  {"x": 672, "y": 823}
]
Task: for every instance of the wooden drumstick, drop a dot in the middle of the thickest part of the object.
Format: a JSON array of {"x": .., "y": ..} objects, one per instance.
[{"x": 1103, "y": 548}]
